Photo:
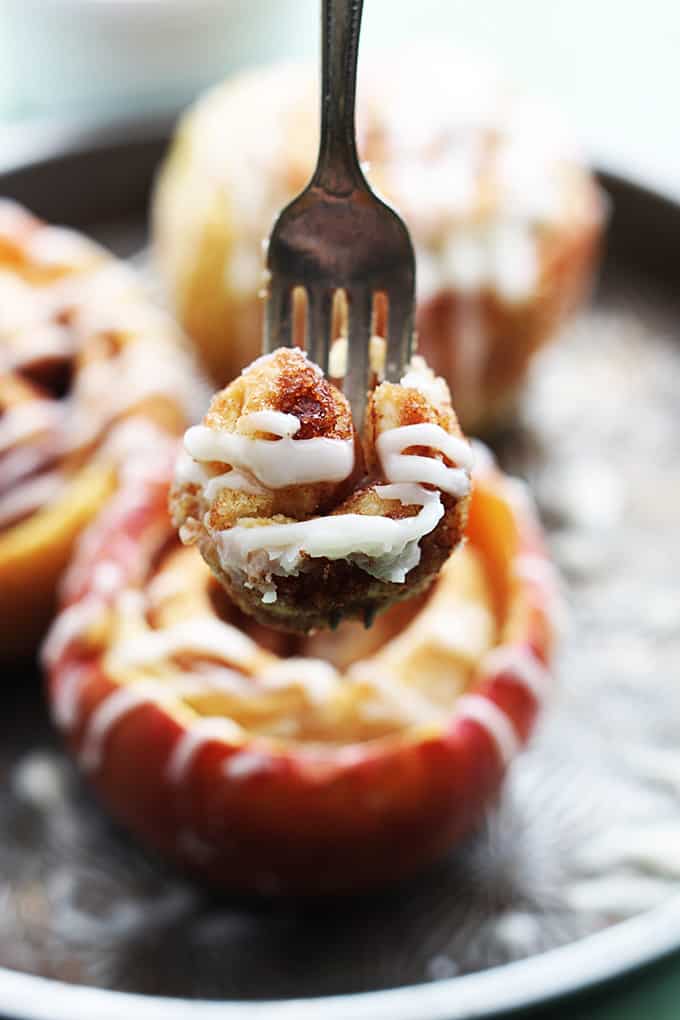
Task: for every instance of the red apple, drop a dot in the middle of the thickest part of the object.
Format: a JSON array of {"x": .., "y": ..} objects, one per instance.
[{"x": 249, "y": 813}]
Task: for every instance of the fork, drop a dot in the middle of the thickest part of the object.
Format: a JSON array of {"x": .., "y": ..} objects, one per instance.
[{"x": 338, "y": 236}]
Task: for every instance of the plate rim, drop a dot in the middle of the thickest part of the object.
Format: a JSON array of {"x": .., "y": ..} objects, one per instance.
[{"x": 537, "y": 980}]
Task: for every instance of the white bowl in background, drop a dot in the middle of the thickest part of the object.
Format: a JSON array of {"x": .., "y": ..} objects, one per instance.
[{"x": 138, "y": 55}]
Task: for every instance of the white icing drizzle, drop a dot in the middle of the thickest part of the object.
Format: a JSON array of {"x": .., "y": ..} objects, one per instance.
[
  {"x": 235, "y": 480},
  {"x": 383, "y": 547},
  {"x": 276, "y": 463},
  {"x": 204, "y": 731},
  {"x": 419, "y": 377},
  {"x": 47, "y": 340},
  {"x": 493, "y": 721},
  {"x": 524, "y": 668},
  {"x": 165, "y": 585},
  {"x": 275, "y": 422},
  {"x": 58, "y": 246},
  {"x": 66, "y": 696},
  {"x": 24, "y": 460},
  {"x": 258, "y": 362},
  {"x": 112, "y": 709},
  {"x": 400, "y": 467},
  {"x": 71, "y": 624},
  {"x": 203, "y": 635},
  {"x": 224, "y": 678},
  {"x": 391, "y": 699},
  {"x": 30, "y": 495},
  {"x": 317, "y": 678},
  {"x": 144, "y": 370},
  {"x": 107, "y": 577},
  {"x": 244, "y": 764},
  {"x": 463, "y": 629},
  {"x": 188, "y": 472},
  {"x": 26, "y": 420}
]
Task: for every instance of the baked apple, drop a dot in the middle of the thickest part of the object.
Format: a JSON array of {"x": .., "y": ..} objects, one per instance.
[
  {"x": 504, "y": 216},
  {"x": 90, "y": 375},
  {"x": 266, "y": 762}
]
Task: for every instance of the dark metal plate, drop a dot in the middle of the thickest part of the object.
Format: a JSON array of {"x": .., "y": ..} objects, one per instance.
[{"x": 573, "y": 876}]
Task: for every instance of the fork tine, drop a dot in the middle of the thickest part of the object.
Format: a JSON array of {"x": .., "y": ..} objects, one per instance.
[
  {"x": 278, "y": 331},
  {"x": 399, "y": 335},
  {"x": 319, "y": 319},
  {"x": 360, "y": 302}
]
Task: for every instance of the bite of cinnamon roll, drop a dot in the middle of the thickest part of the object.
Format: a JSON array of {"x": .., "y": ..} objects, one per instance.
[{"x": 303, "y": 520}]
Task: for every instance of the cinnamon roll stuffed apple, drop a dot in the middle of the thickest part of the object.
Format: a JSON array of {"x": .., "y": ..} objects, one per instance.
[
  {"x": 303, "y": 520},
  {"x": 274, "y": 763},
  {"x": 91, "y": 374},
  {"x": 504, "y": 216}
]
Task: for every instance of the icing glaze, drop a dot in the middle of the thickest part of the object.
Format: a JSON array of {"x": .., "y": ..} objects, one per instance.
[
  {"x": 493, "y": 721},
  {"x": 399, "y": 467},
  {"x": 383, "y": 547},
  {"x": 275, "y": 422},
  {"x": 112, "y": 709},
  {"x": 195, "y": 737},
  {"x": 26, "y": 420},
  {"x": 317, "y": 678},
  {"x": 202, "y": 635},
  {"x": 71, "y": 624},
  {"x": 275, "y": 463},
  {"x": 30, "y": 495},
  {"x": 108, "y": 576},
  {"x": 66, "y": 696},
  {"x": 235, "y": 480},
  {"x": 188, "y": 471},
  {"x": 523, "y": 667},
  {"x": 419, "y": 377},
  {"x": 244, "y": 764}
]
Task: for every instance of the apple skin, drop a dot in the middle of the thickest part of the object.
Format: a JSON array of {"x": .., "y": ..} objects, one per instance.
[{"x": 301, "y": 820}]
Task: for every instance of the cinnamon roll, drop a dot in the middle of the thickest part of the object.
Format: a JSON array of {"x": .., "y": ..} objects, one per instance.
[
  {"x": 303, "y": 521},
  {"x": 90, "y": 374}
]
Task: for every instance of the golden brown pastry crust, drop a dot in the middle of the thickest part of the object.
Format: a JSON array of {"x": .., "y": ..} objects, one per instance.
[{"x": 319, "y": 589}]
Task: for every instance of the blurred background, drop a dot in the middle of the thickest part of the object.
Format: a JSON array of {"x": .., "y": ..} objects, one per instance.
[{"x": 611, "y": 66}]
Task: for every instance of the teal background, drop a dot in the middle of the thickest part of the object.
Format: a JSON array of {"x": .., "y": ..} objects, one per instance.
[{"x": 649, "y": 994}]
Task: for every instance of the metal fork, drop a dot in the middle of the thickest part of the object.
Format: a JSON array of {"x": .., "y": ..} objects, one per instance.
[{"x": 338, "y": 235}]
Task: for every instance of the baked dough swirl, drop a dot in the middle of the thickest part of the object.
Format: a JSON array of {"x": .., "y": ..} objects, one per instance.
[{"x": 303, "y": 521}]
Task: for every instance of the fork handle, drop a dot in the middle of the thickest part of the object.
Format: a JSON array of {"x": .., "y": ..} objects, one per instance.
[{"x": 337, "y": 169}]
